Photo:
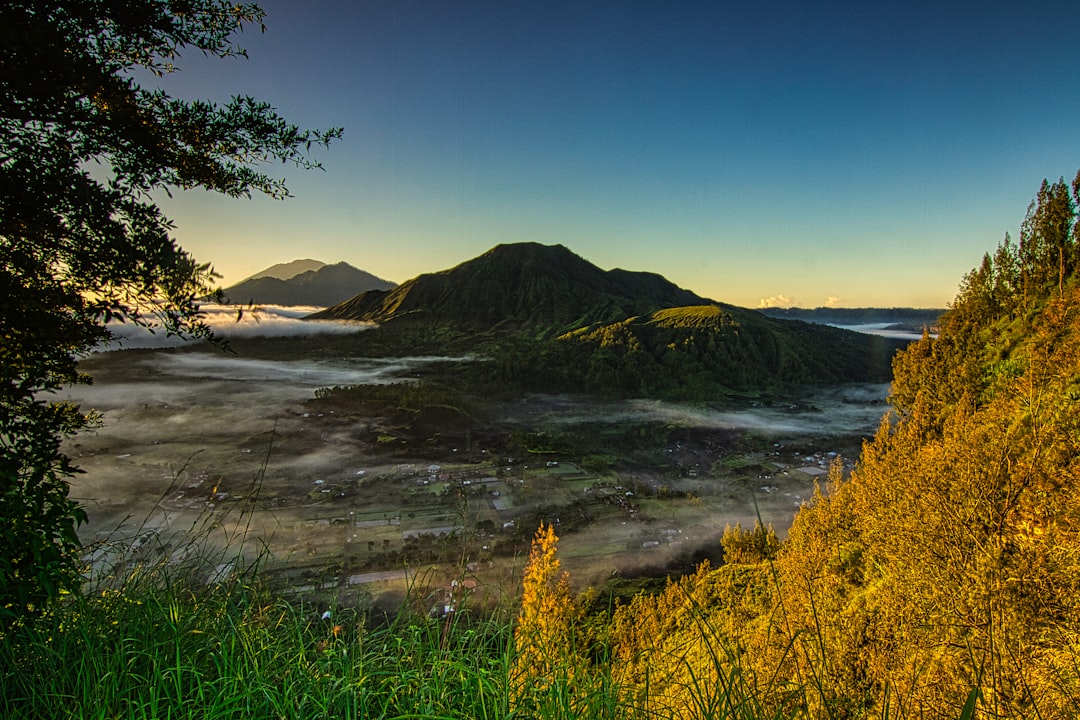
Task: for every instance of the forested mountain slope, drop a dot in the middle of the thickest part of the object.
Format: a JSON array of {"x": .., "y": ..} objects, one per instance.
[
  {"x": 945, "y": 571},
  {"x": 951, "y": 558},
  {"x": 551, "y": 321},
  {"x": 541, "y": 290}
]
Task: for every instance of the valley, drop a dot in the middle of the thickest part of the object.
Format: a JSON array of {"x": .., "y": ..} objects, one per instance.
[{"x": 365, "y": 497}]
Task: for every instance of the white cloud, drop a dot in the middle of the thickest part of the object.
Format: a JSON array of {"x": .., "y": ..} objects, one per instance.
[
  {"x": 778, "y": 301},
  {"x": 833, "y": 301},
  {"x": 266, "y": 321}
]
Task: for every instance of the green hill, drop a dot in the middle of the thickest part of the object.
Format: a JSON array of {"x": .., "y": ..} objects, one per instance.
[
  {"x": 552, "y": 321},
  {"x": 539, "y": 290},
  {"x": 699, "y": 351}
]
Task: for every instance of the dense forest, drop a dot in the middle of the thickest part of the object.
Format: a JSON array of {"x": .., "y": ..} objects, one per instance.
[{"x": 941, "y": 577}]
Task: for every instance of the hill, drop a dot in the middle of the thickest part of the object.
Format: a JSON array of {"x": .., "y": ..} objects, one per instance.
[
  {"x": 324, "y": 286},
  {"x": 553, "y": 322},
  {"x": 539, "y": 290},
  {"x": 699, "y": 351}
]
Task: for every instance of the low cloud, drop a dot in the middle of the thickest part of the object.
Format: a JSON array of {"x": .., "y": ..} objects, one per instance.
[
  {"x": 778, "y": 301},
  {"x": 833, "y": 301},
  {"x": 847, "y": 410},
  {"x": 264, "y": 321}
]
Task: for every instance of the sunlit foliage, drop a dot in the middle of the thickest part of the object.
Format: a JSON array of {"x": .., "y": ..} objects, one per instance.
[
  {"x": 544, "y": 660},
  {"x": 941, "y": 578}
]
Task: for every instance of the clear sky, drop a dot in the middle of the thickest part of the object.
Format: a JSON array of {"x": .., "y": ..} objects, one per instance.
[{"x": 811, "y": 153}]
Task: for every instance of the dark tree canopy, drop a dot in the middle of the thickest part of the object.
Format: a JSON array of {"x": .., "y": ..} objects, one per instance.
[{"x": 82, "y": 146}]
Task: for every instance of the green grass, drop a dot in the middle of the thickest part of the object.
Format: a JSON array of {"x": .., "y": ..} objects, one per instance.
[{"x": 164, "y": 646}]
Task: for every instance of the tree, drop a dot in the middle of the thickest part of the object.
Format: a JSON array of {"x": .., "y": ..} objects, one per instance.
[
  {"x": 82, "y": 147},
  {"x": 1046, "y": 238}
]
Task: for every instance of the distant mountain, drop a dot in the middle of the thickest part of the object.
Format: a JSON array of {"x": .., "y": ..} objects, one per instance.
[
  {"x": 284, "y": 271},
  {"x": 554, "y": 322},
  {"x": 539, "y": 290},
  {"x": 327, "y": 285},
  {"x": 914, "y": 319}
]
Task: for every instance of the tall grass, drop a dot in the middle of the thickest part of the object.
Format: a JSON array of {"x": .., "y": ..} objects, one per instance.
[
  {"x": 166, "y": 647},
  {"x": 164, "y": 644}
]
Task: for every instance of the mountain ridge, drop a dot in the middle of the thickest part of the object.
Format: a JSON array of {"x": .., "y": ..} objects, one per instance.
[
  {"x": 554, "y": 322},
  {"x": 324, "y": 286},
  {"x": 286, "y": 270},
  {"x": 543, "y": 290}
]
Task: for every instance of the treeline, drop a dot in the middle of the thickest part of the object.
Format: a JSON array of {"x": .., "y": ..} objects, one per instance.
[
  {"x": 997, "y": 309},
  {"x": 941, "y": 579},
  {"x": 403, "y": 395}
]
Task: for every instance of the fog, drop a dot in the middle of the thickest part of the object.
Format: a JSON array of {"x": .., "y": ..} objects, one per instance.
[
  {"x": 844, "y": 410},
  {"x": 884, "y": 330},
  {"x": 201, "y": 377},
  {"x": 180, "y": 430},
  {"x": 169, "y": 418},
  {"x": 261, "y": 321}
]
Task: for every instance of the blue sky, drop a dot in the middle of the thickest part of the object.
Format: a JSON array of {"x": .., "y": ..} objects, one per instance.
[{"x": 846, "y": 153}]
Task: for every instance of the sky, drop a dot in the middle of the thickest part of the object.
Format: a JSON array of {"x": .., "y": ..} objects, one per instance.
[{"x": 849, "y": 154}]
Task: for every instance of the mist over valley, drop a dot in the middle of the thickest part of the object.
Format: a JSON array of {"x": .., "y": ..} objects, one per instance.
[{"x": 354, "y": 456}]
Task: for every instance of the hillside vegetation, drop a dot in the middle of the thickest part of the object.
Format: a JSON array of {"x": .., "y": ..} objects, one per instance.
[
  {"x": 538, "y": 290},
  {"x": 943, "y": 576},
  {"x": 550, "y": 321},
  {"x": 703, "y": 351}
]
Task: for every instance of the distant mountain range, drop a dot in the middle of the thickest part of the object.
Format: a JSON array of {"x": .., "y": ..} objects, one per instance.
[
  {"x": 305, "y": 282},
  {"x": 913, "y": 319},
  {"x": 554, "y": 321}
]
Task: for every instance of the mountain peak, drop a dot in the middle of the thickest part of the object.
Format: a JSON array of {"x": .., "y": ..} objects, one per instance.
[
  {"x": 528, "y": 250},
  {"x": 288, "y": 270},
  {"x": 323, "y": 285},
  {"x": 543, "y": 290}
]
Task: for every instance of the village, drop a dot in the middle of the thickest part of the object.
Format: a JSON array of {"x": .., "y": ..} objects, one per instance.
[
  {"x": 191, "y": 466},
  {"x": 440, "y": 534}
]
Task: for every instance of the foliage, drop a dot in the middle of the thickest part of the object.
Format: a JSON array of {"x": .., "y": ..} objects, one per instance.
[
  {"x": 82, "y": 147},
  {"x": 166, "y": 645},
  {"x": 749, "y": 546},
  {"x": 950, "y": 559},
  {"x": 546, "y": 622},
  {"x": 941, "y": 578},
  {"x": 705, "y": 352}
]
